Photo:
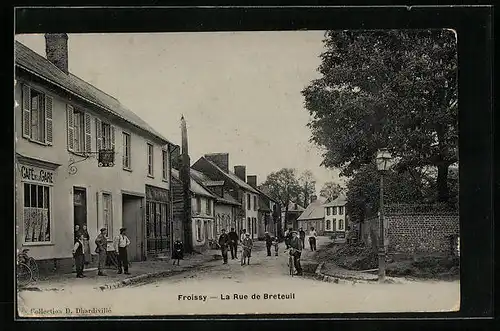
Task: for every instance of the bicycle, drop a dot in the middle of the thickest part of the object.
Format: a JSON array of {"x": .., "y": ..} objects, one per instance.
[
  {"x": 291, "y": 262},
  {"x": 27, "y": 268}
]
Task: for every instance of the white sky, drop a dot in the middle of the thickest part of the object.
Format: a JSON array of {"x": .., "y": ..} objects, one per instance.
[{"x": 239, "y": 91}]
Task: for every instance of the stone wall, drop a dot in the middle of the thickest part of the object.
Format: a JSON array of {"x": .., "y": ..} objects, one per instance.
[{"x": 415, "y": 231}]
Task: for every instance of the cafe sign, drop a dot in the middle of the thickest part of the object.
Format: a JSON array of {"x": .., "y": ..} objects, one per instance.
[{"x": 35, "y": 174}]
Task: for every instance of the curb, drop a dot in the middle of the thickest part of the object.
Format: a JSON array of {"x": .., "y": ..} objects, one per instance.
[{"x": 151, "y": 275}]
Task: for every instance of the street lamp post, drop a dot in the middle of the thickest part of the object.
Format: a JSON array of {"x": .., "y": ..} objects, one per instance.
[{"x": 383, "y": 163}]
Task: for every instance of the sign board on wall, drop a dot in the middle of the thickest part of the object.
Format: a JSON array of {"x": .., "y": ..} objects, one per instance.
[{"x": 35, "y": 174}]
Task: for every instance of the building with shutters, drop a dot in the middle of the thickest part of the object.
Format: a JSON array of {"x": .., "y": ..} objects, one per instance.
[
  {"x": 61, "y": 125},
  {"x": 336, "y": 222}
]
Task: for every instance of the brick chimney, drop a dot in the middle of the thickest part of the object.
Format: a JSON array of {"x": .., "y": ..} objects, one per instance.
[
  {"x": 220, "y": 159},
  {"x": 56, "y": 50},
  {"x": 241, "y": 172},
  {"x": 252, "y": 180}
]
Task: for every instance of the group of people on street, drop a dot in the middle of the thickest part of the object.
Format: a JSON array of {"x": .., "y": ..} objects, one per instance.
[
  {"x": 82, "y": 256},
  {"x": 229, "y": 241}
]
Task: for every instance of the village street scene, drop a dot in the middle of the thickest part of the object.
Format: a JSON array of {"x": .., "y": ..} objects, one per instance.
[{"x": 236, "y": 173}]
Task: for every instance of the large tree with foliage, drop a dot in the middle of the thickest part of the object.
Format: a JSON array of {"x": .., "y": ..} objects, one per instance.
[
  {"x": 387, "y": 89},
  {"x": 308, "y": 187},
  {"x": 330, "y": 191},
  {"x": 283, "y": 186}
]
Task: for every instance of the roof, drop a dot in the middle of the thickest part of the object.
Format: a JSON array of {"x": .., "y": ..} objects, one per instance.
[
  {"x": 40, "y": 66},
  {"x": 340, "y": 201},
  {"x": 233, "y": 177},
  {"x": 315, "y": 210},
  {"x": 291, "y": 207},
  {"x": 214, "y": 183},
  {"x": 195, "y": 187},
  {"x": 205, "y": 180}
]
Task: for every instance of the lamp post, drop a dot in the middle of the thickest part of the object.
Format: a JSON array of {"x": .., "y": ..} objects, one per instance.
[{"x": 383, "y": 163}]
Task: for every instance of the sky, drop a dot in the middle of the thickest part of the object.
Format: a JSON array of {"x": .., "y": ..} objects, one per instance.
[{"x": 238, "y": 91}]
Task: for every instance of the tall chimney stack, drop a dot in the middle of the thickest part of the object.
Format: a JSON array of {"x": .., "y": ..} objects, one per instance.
[
  {"x": 220, "y": 159},
  {"x": 56, "y": 50},
  {"x": 252, "y": 180},
  {"x": 185, "y": 177},
  {"x": 241, "y": 172}
]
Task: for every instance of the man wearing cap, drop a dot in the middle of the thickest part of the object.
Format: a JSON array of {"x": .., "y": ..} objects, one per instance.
[
  {"x": 121, "y": 243},
  {"x": 269, "y": 243},
  {"x": 223, "y": 243},
  {"x": 102, "y": 242},
  {"x": 296, "y": 251},
  {"x": 247, "y": 245}
]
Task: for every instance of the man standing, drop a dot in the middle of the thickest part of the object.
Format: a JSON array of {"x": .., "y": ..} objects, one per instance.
[
  {"x": 247, "y": 245},
  {"x": 102, "y": 243},
  {"x": 302, "y": 235},
  {"x": 296, "y": 245},
  {"x": 312, "y": 239},
  {"x": 121, "y": 243},
  {"x": 223, "y": 243},
  {"x": 233, "y": 243},
  {"x": 269, "y": 243}
]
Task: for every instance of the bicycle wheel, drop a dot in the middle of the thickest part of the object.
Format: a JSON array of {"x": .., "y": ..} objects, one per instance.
[
  {"x": 23, "y": 274},
  {"x": 35, "y": 273},
  {"x": 290, "y": 262}
]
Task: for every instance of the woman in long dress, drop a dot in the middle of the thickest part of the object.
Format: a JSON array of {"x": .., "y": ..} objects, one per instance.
[{"x": 86, "y": 244}]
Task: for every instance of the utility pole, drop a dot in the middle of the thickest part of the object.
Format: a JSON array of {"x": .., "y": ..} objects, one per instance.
[{"x": 185, "y": 176}]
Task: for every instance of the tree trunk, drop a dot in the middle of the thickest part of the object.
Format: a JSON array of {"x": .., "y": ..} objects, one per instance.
[{"x": 442, "y": 183}]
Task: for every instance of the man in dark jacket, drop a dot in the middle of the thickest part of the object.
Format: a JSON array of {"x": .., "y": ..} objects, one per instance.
[
  {"x": 224, "y": 243},
  {"x": 269, "y": 243},
  {"x": 302, "y": 235},
  {"x": 296, "y": 251},
  {"x": 233, "y": 243}
]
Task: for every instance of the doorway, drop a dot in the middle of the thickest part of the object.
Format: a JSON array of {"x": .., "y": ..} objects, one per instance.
[
  {"x": 133, "y": 221},
  {"x": 79, "y": 207}
]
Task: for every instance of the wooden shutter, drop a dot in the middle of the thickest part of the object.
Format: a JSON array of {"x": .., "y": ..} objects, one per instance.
[
  {"x": 26, "y": 111},
  {"x": 98, "y": 131},
  {"x": 112, "y": 136},
  {"x": 48, "y": 120},
  {"x": 88, "y": 135},
  {"x": 70, "y": 127}
]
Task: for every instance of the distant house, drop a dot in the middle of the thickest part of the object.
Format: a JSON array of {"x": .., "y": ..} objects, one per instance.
[
  {"x": 313, "y": 216},
  {"x": 294, "y": 211},
  {"x": 268, "y": 207},
  {"x": 335, "y": 217},
  {"x": 216, "y": 167},
  {"x": 202, "y": 211}
]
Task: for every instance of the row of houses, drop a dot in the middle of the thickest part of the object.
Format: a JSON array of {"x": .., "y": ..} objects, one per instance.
[
  {"x": 83, "y": 158},
  {"x": 327, "y": 217}
]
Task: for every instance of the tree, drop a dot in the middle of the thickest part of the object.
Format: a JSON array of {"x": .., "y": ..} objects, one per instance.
[
  {"x": 363, "y": 191},
  {"x": 387, "y": 89},
  {"x": 308, "y": 187},
  {"x": 330, "y": 191},
  {"x": 283, "y": 186}
]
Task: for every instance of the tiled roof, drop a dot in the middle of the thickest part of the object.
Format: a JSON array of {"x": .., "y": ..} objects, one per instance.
[
  {"x": 315, "y": 210},
  {"x": 340, "y": 201},
  {"x": 202, "y": 178},
  {"x": 40, "y": 66},
  {"x": 195, "y": 187},
  {"x": 233, "y": 177}
]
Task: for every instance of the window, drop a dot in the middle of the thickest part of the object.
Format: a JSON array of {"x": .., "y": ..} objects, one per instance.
[
  {"x": 150, "y": 160},
  {"x": 341, "y": 224},
  {"x": 126, "y": 151},
  {"x": 254, "y": 202},
  {"x": 328, "y": 224},
  {"x": 249, "y": 225},
  {"x": 198, "y": 230},
  {"x": 209, "y": 207},
  {"x": 164, "y": 154},
  {"x": 249, "y": 202},
  {"x": 327, "y": 211},
  {"x": 36, "y": 213},
  {"x": 105, "y": 136},
  {"x": 341, "y": 210},
  {"x": 107, "y": 206},
  {"x": 79, "y": 131},
  {"x": 254, "y": 226},
  {"x": 37, "y": 116},
  {"x": 334, "y": 211},
  {"x": 198, "y": 205}
]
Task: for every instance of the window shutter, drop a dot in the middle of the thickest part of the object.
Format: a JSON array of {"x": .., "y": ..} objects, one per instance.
[
  {"x": 112, "y": 136},
  {"x": 70, "y": 127},
  {"x": 48, "y": 120},
  {"x": 98, "y": 133},
  {"x": 26, "y": 111},
  {"x": 88, "y": 135}
]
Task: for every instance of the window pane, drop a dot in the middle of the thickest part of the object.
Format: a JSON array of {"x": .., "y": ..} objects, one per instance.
[
  {"x": 46, "y": 203},
  {"x": 27, "y": 202},
  {"x": 40, "y": 196},
  {"x": 33, "y": 196}
]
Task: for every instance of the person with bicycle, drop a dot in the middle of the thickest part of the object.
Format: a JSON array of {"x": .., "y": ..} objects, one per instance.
[
  {"x": 247, "y": 245},
  {"x": 296, "y": 252}
]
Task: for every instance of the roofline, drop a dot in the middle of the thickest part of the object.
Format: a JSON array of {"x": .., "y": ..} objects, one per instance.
[
  {"x": 308, "y": 219},
  {"x": 226, "y": 175},
  {"x": 210, "y": 195},
  {"x": 167, "y": 142}
]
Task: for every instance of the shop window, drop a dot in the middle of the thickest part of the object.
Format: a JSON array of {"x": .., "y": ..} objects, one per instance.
[{"x": 36, "y": 214}]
